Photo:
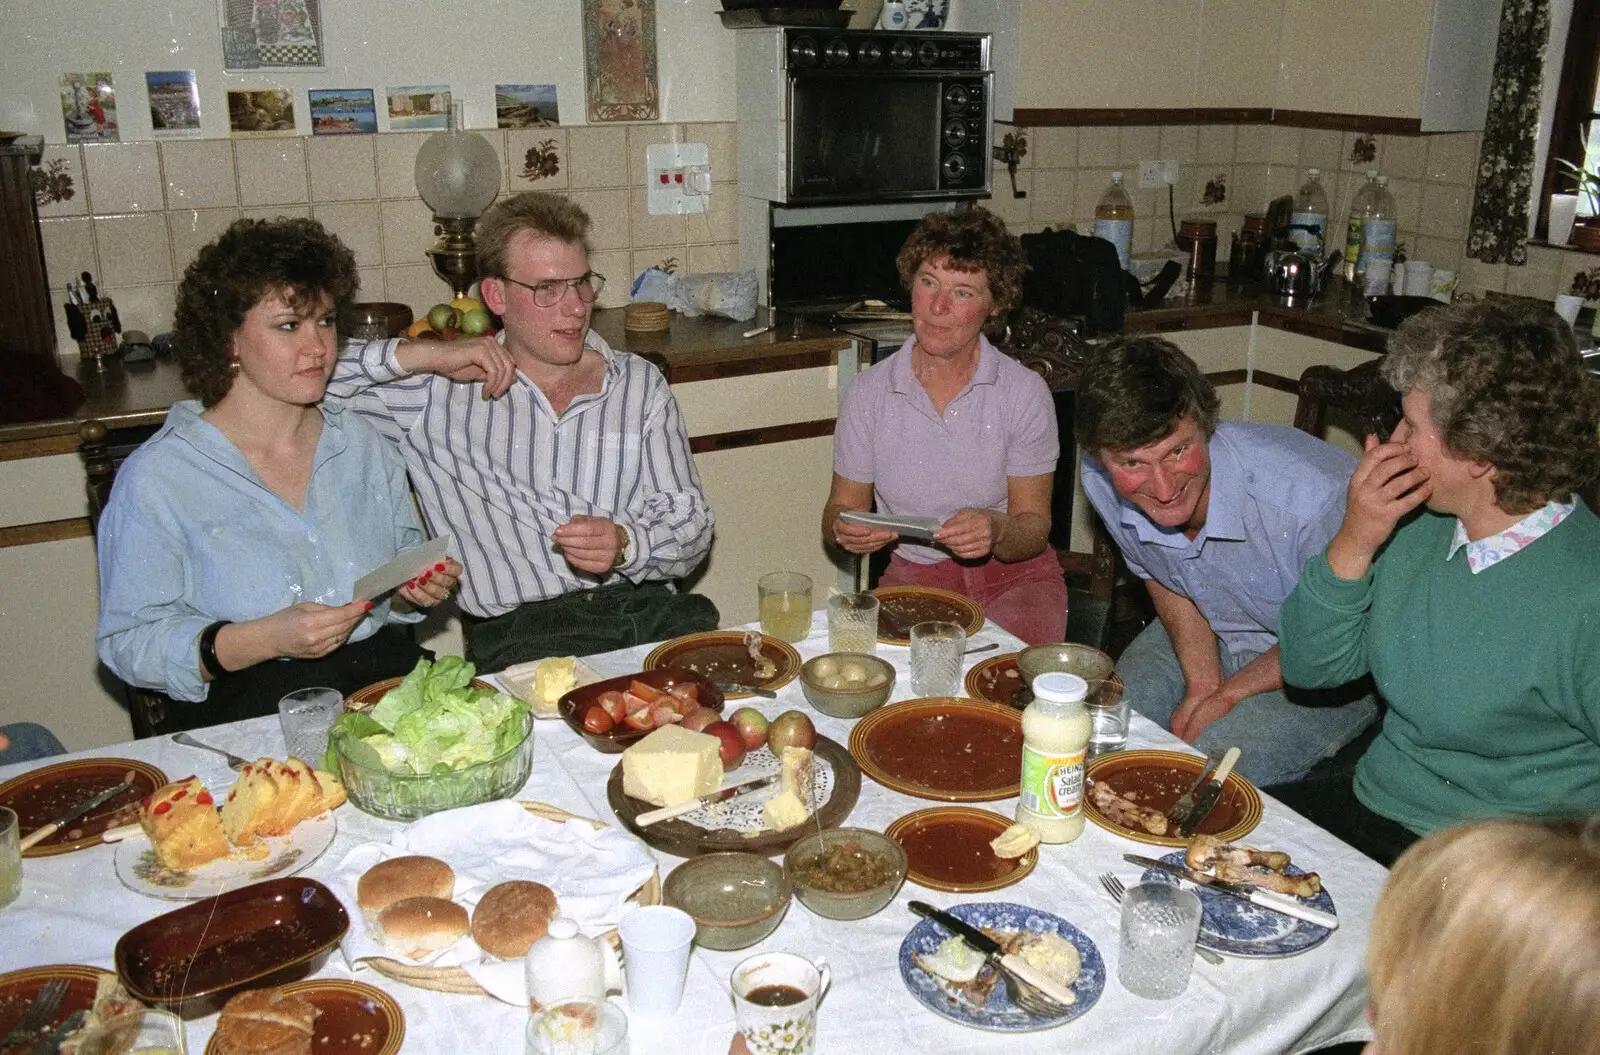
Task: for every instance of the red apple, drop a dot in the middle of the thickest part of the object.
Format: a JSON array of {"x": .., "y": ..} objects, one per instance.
[
  {"x": 697, "y": 720},
  {"x": 791, "y": 729},
  {"x": 752, "y": 726},
  {"x": 732, "y": 744}
]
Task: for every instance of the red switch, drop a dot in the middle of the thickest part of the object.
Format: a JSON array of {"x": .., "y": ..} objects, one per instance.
[
  {"x": 677, "y": 177},
  {"x": 665, "y": 178}
]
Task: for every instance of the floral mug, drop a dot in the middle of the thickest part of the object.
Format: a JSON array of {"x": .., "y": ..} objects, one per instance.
[{"x": 775, "y": 998}]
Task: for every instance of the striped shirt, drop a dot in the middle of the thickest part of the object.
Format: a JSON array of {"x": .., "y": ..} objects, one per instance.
[{"x": 502, "y": 474}]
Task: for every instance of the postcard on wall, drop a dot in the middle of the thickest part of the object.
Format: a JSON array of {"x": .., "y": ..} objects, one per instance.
[
  {"x": 419, "y": 108},
  {"x": 260, "y": 112},
  {"x": 174, "y": 102},
  {"x": 619, "y": 53},
  {"x": 525, "y": 106},
  {"x": 271, "y": 34},
  {"x": 342, "y": 111},
  {"x": 89, "y": 107}
]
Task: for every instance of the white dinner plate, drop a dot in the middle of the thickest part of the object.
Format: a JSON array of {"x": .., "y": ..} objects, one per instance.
[{"x": 140, "y": 871}]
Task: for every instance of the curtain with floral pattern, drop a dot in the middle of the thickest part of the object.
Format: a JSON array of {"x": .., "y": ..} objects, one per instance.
[{"x": 1499, "y": 229}]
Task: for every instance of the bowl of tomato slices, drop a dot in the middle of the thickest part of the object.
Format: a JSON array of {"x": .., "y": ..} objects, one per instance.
[{"x": 612, "y": 714}]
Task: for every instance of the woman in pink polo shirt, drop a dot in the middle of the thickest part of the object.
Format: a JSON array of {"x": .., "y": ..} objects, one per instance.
[{"x": 950, "y": 428}]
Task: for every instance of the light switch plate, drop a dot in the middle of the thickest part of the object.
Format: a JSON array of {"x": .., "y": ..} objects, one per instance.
[{"x": 677, "y": 178}]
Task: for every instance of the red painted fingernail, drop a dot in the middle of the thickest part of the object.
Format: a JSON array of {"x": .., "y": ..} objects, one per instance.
[
  {"x": 411, "y": 584},
  {"x": 438, "y": 567},
  {"x": 367, "y": 607},
  {"x": 426, "y": 576}
]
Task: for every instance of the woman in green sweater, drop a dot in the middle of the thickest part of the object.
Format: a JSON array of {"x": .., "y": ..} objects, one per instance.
[{"x": 1478, "y": 615}]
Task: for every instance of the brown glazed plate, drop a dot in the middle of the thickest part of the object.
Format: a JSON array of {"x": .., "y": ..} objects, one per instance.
[
  {"x": 720, "y": 656},
  {"x": 356, "y": 1018},
  {"x": 942, "y": 747},
  {"x": 19, "y": 988},
  {"x": 996, "y": 680},
  {"x": 947, "y": 848},
  {"x": 1158, "y": 779},
  {"x": 906, "y": 606},
  {"x": 41, "y": 795}
]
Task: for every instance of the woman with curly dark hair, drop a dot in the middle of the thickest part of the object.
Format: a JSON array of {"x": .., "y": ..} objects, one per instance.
[
  {"x": 234, "y": 536},
  {"x": 950, "y": 428},
  {"x": 1466, "y": 578}
]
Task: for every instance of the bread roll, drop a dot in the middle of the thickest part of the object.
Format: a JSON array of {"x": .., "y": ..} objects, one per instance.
[
  {"x": 399, "y": 878},
  {"x": 420, "y": 926},
  {"x": 511, "y": 916},
  {"x": 266, "y": 1022}
]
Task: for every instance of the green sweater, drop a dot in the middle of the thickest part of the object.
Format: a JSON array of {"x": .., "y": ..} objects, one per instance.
[{"x": 1493, "y": 680}]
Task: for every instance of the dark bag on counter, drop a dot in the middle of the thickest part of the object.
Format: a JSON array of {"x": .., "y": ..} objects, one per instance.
[{"x": 1074, "y": 274}]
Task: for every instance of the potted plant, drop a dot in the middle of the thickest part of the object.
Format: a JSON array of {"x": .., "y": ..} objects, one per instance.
[{"x": 1585, "y": 233}]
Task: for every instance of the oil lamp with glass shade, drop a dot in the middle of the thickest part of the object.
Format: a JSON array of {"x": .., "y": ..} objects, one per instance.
[{"x": 458, "y": 176}]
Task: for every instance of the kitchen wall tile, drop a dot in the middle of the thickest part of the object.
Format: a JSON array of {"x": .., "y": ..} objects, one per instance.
[
  {"x": 1150, "y": 214},
  {"x": 722, "y": 142},
  {"x": 123, "y": 178},
  {"x": 1440, "y": 252},
  {"x": 1215, "y": 144},
  {"x": 359, "y": 225},
  {"x": 1349, "y": 158},
  {"x": 706, "y": 259},
  {"x": 665, "y": 257},
  {"x": 641, "y": 137},
  {"x": 1098, "y": 147},
  {"x": 271, "y": 171},
  {"x": 190, "y": 230},
  {"x": 720, "y": 221},
  {"x": 1281, "y": 180},
  {"x": 1138, "y": 143},
  {"x": 277, "y": 212},
  {"x": 1445, "y": 210},
  {"x": 397, "y": 162},
  {"x": 1572, "y": 264},
  {"x": 1054, "y": 195},
  {"x": 1253, "y": 145},
  {"x": 146, "y": 307},
  {"x": 371, "y": 284},
  {"x": 68, "y": 250},
  {"x": 1319, "y": 148},
  {"x": 1048, "y": 148},
  {"x": 199, "y": 174},
  {"x": 1476, "y": 276},
  {"x": 1405, "y": 157},
  {"x": 497, "y": 140},
  {"x": 608, "y": 216},
  {"x": 416, "y": 285},
  {"x": 64, "y": 166},
  {"x": 530, "y": 153},
  {"x": 1283, "y": 145},
  {"x": 617, "y": 267},
  {"x": 407, "y": 228},
  {"x": 1409, "y": 201},
  {"x": 133, "y": 249},
  {"x": 646, "y": 230},
  {"x": 1180, "y": 143},
  {"x": 1539, "y": 277},
  {"x": 1453, "y": 157},
  {"x": 1247, "y": 191},
  {"x": 1091, "y": 183},
  {"x": 343, "y": 168},
  {"x": 599, "y": 157},
  {"x": 1013, "y": 210}
]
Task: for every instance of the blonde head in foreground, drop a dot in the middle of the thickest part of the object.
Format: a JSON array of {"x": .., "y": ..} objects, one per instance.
[{"x": 1486, "y": 941}]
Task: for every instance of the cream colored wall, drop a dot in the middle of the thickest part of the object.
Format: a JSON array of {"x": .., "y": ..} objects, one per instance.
[{"x": 1355, "y": 56}]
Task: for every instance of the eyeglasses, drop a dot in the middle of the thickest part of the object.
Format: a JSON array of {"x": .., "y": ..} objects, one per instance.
[{"x": 549, "y": 293}]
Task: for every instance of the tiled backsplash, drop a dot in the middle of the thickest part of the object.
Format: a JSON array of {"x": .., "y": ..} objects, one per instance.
[{"x": 140, "y": 211}]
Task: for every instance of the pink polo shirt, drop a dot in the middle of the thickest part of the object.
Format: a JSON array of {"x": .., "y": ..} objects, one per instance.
[{"x": 922, "y": 463}]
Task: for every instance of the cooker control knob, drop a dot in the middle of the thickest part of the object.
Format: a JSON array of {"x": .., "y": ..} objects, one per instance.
[
  {"x": 901, "y": 53},
  {"x": 802, "y": 52},
  {"x": 956, "y": 98},
  {"x": 955, "y": 168},
  {"x": 955, "y": 134},
  {"x": 837, "y": 53},
  {"x": 870, "y": 53},
  {"x": 928, "y": 53}
]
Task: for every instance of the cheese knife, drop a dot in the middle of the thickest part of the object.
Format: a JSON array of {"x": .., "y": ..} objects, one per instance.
[
  {"x": 1264, "y": 898},
  {"x": 41, "y": 834},
  {"x": 666, "y": 813},
  {"x": 1207, "y": 796},
  {"x": 1011, "y": 963}
]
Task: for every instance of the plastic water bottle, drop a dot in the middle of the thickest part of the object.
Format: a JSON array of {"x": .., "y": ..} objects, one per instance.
[
  {"x": 1311, "y": 210},
  {"x": 1113, "y": 219},
  {"x": 1358, "y": 212},
  {"x": 1378, "y": 228}
]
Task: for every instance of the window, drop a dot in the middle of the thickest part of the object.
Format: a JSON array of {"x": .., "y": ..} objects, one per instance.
[{"x": 1577, "y": 112}]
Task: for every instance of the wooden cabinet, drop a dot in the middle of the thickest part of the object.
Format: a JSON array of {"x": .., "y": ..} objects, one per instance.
[
  {"x": 27, "y": 324},
  {"x": 1108, "y": 54}
]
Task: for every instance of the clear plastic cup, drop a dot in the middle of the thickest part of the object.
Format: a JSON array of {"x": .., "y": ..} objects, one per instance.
[
  {"x": 1160, "y": 923},
  {"x": 936, "y": 656}
]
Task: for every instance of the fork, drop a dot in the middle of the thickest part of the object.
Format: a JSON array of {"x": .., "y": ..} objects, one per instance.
[
  {"x": 39, "y": 1012},
  {"x": 1184, "y": 807},
  {"x": 1030, "y": 999},
  {"x": 234, "y": 761},
  {"x": 1114, "y": 887},
  {"x": 51, "y": 1041}
]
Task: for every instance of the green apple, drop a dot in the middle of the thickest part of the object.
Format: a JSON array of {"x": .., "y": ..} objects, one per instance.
[
  {"x": 475, "y": 321},
  {"x": 443, "y": 317}
]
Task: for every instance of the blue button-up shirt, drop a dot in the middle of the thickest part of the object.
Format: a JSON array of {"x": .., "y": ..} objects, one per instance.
[
  {"x": 192, "y": 535},
  {"x": 1277, "y": 498}
]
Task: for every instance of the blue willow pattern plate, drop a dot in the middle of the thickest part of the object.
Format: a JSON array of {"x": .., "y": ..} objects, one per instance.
[
  {"x": 1235, "y": 927},
  {"x": 999, "y": 1013}
]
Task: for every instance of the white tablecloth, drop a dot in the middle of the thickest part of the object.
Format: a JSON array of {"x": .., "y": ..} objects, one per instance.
[{"x": 73, "y": 909}]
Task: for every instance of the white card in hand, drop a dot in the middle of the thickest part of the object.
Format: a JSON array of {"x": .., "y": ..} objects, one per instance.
[
  {"x": 402, "y": 569},
  {"x": 909, "y": 526}
]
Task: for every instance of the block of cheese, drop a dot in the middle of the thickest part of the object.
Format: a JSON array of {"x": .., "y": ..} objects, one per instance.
[
  {"x": 792, "y": 804},
  {"x": 672, "y": 765}
]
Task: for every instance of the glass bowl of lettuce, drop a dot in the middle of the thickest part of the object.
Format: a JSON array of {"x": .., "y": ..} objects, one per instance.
[{"x": 434, "y": 742}]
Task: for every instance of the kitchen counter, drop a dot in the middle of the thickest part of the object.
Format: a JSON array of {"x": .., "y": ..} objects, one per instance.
[{"x": 1336, "y": 316}]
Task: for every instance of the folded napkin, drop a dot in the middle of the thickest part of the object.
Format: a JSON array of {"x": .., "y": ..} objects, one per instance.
[{"x": 592, "y": 871}]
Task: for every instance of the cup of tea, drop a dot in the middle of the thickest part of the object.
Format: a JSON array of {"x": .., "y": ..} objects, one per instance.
[{"x": 775, "y": 998}]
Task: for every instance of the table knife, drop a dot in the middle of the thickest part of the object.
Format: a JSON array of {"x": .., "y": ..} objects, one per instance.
[
  {"x": 738, "y": 688},
  {"x": 75, "y": 812},
  {"x": 1206, "y": 798},
  {"x": 666, "y": 813},
  {"x": 991, "y": 950},
  {"x": 1264, "y": 898}
]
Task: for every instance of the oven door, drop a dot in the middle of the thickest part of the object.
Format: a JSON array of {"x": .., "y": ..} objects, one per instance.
[{"x": 888, "y": 137}]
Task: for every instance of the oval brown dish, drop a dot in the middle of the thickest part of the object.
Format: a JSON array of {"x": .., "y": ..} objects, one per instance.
[
  {"x": 1158, "y": 779},
  {"x": 41, "y": 795},
  {"x": 942, "y": 747},
  {"x": 720, "y": 657},
  {"x": 575, "y": 706},
  {"x": 948, "y": 849},
  {"x": 355, "y": 1018},
  {"x": 902, "y": 607}
]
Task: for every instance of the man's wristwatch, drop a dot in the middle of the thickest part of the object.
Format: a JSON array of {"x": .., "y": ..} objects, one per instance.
[
  {"x": 208, "y": 649},
  {"x": 622, "y": 550}
]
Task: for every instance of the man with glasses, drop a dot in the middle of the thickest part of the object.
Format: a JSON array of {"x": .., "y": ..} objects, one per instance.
[{"x": 560, "y": 465}]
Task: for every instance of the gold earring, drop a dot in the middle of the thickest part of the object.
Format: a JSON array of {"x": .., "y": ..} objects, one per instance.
[{"x": 233, "y": 366}]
